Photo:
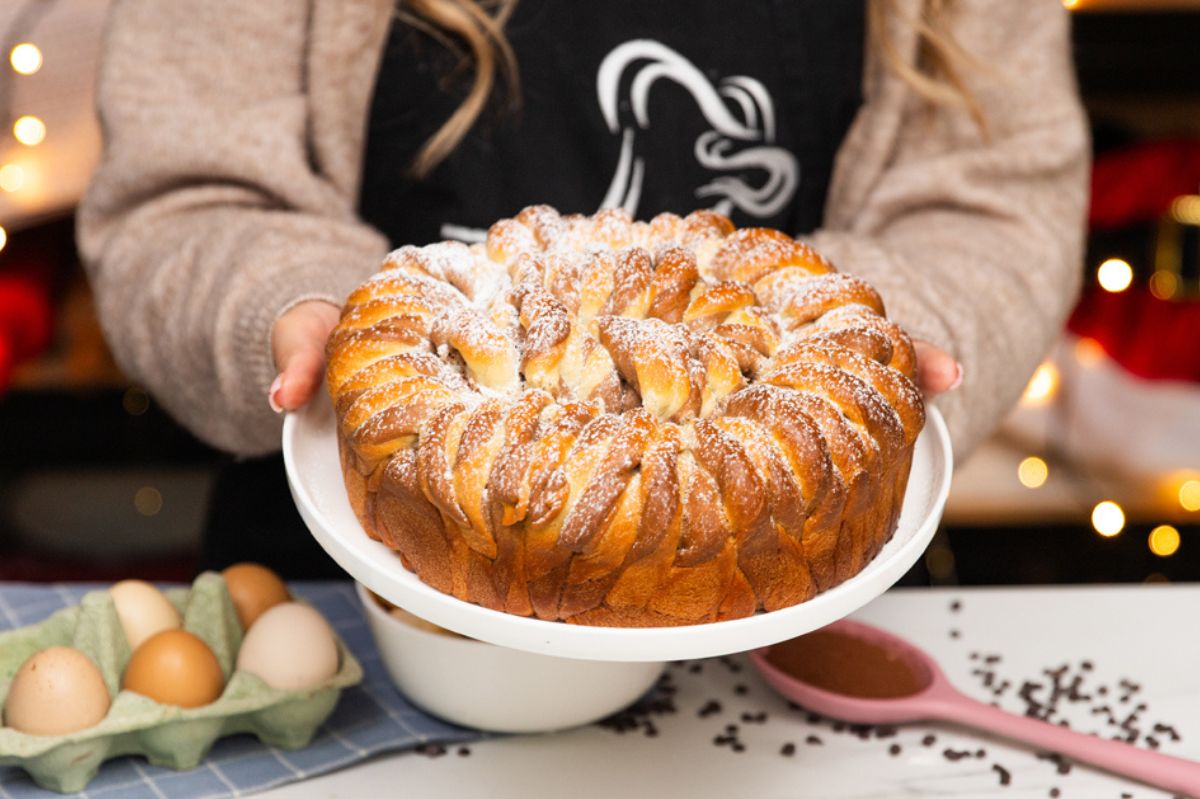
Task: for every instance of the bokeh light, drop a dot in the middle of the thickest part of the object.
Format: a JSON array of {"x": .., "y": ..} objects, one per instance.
[
  {"x": 1041, "y": 387},
  {"x": 29, "y": 130},
  {"x": 12, "y": 177},
  {"x": 1108, "y": 519},
  {"x": 1033, "y": 472},
  {"x": 1115, "y": 275},
  {"x": 148, "y": 501},
  {"x": 1189, "y": 495},
  {"x": 25, "y": 58},
  {"x": 1164, "y": 540}
]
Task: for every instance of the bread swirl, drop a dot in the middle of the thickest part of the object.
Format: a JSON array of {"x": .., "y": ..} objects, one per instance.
[{"x": 609, "y": 422}]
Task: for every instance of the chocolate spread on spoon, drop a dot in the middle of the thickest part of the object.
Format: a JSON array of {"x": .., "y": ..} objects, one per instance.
[{"x": 848, "y": 665}]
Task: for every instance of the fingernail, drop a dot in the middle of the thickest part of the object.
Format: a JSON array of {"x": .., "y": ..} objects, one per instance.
[
  {"x": 958, "y": 376},
  {"x": 273, "y": 394}
]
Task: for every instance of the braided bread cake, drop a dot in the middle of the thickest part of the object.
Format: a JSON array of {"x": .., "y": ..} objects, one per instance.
[{"x": 624, "y": 423}]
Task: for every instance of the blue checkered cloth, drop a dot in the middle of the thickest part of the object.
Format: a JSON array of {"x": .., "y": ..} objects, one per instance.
[{"x": 370, "y": 718}]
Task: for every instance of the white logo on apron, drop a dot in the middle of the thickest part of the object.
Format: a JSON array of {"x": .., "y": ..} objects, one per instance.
[{"x": 741, "y": 137}]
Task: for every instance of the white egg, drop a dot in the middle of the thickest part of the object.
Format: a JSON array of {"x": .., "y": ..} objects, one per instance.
[
  {"x": 143, "y": 611},
  {"x": 291, "y": 647}
]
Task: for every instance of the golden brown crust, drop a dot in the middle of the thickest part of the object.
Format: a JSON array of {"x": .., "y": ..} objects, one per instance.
[{"x": 603, "y": 421}]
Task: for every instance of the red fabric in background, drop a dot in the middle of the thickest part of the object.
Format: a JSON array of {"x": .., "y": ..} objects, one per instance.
[
  {"x": 1137, "y": 185},
  {"x": 26, "y": 319},
  {"x": 1148, "y": 337},
  {"x": 1151, "y": 338}
]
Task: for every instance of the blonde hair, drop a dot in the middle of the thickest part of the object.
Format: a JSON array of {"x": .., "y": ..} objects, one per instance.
[
  {"x": 490, "y": 55},
  {"x": 936, "y": 77}
]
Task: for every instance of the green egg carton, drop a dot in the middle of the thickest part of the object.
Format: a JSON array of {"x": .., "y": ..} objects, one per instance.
[{"x": 167, "y": 736}]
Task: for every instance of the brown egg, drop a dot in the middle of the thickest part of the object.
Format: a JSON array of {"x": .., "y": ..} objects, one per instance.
[
  {"x": 175, "y": 667},
  {"x": 255, "y": 589},
  {"x": 55, "y": 692}
]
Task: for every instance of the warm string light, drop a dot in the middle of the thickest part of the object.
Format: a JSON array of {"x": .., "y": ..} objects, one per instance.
[
  {"x": 29, "y": 130},
  {"x": 26, "y": 58},
  {"x": 1189, "y": 495},
  {"x": 1041, "y": 387},
  {"x": 1164, "y": 284},
  {"x": 1033, "y": 472},
  {"x": 3, "y": 237},
  {"x": 12, "y": 177},
  {"x": 1114, "y": 275},
  {"x": 1164, "y": 540},
  {"x": 1108, "y": 519},
  {"x": 148, "y": 501},
  {"x": 1186, "y": 209}
]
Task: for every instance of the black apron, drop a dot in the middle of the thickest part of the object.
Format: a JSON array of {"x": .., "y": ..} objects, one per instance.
[{"x": 651, "y": 106}]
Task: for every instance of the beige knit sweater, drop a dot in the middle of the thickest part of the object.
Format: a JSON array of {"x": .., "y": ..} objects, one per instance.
[{"x": 229, "y": 181}]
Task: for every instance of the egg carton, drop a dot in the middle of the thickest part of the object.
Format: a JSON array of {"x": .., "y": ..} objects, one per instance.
[{"x": 173, "y": 737}]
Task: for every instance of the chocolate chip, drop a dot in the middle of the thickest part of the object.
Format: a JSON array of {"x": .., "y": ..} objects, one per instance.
[
  {"x": 894, "y": 750},
  {"x": 929, "y": 740},
  {"x": 955, "y": 633},
  {"x": 1005, "y": 776},
  {"x": 813, "y": 740},
  {"x": 955, "y": 606},
  {"x": 1055, "y": 793},
  {"x": 788, "y": 749},
  {"x": 740, "y": 689},
  {"x": 464, "y": 751}
]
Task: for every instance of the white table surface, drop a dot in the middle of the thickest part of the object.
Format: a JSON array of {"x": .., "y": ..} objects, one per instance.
[{"x": 1146, "y": 634}]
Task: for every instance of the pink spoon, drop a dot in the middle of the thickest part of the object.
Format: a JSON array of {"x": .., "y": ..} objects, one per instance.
[{"x": 936, "y": 698}]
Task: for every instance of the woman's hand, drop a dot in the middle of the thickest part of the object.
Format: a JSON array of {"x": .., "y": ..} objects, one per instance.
[
  {"x": 298, "y": 346},
  {"x": 937, "y": 371}
]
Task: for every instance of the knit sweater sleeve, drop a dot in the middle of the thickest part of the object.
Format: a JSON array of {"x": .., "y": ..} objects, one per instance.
[
  {"x": 207, "y": 217},
  {"x": 974, "y": 239}
]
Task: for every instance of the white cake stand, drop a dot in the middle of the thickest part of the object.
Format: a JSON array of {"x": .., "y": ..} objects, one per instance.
[{"x": 315, "y": 477}]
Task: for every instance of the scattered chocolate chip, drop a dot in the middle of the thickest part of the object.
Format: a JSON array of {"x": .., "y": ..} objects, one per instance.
[
  {"x": 980, "y": 754},
  {"x": 1055, "y": 793},
  {"x": 955, "y": 606},
  {"x": 929, "y": 740},
  {"x": 696, "y": 668},
  {"x": 788, "y": 749},
  {"x": 1005, "y": 776},
  {"x": 737, "y": 747},
  {"x": 813, "y": 740},
  {"x": 709, "y": 708},
  {"x": 1086, "y": 665},
  {"x": 955, "y": 633},
  {"x": 464, "y": 751},
  {"x": 431, "y": 750},
  {"x": 954, "y": 755},
  {"x": 894, "y": 750}
]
